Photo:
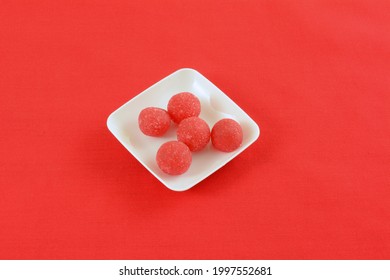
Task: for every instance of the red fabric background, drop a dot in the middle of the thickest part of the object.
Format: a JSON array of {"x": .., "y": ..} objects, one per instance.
[{"x": 314, "y": 75}]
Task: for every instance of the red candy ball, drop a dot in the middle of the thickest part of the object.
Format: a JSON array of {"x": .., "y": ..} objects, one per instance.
[
  {"x": 194, "y": 132},
  {"x": 174, "y": 158},
  {"x": 154, "y": 121},
  {"x": 226, "y": 135},
  {"x": 183, "y": 105}
]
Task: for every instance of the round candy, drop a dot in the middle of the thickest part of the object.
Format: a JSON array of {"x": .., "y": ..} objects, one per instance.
[
  {"x": 183, "y": 105},
  {"x": 154, "y": 121},
  {"x": 174, "y": 158},
  {"x": 194, "y": 132},
  {"x": 226, "y": 135}
]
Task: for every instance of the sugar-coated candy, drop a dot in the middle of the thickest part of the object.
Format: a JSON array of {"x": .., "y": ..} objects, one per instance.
[
  {"x": 154, "y": 121},
  {"x": 174, "y": 158},
  {"x": 194, "y": 132},
  {"x": 226, "y": 135},
  {"x": 183, "y": 105}
]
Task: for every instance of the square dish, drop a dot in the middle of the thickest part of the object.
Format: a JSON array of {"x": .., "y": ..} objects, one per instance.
[{"x": 215, "y": 105}]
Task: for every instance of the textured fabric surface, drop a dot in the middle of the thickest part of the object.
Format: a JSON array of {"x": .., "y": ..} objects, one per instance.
[{"x": 313, "y": 74}]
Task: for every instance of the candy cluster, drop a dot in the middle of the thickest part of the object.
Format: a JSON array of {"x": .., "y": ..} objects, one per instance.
[{"x": 193, "y": 133}]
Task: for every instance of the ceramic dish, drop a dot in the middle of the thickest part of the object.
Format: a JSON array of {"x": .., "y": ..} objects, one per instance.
[{"x": 215, "y": 105}]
